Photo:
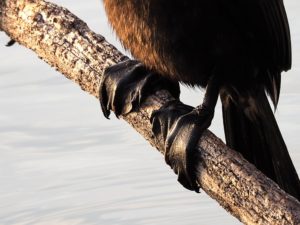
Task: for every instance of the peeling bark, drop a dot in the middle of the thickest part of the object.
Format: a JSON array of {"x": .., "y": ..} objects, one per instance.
[{"x": 66, "y": 43}]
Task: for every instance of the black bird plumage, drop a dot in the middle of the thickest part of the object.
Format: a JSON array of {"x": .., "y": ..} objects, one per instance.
[{"x": 235, "y": 48}]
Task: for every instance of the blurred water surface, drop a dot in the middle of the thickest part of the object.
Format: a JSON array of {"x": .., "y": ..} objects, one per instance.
[{"x": 61, "y": 162}]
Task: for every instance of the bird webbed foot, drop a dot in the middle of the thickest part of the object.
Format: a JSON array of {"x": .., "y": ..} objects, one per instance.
[
  {"x": 181, "y": 127},
  {"x": 124, "y": 86}
]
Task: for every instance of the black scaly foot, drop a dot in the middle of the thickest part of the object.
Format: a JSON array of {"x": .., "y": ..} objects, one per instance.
[
  {"x": 181, "y": 127},
  {"x": 124, "y": 86}
]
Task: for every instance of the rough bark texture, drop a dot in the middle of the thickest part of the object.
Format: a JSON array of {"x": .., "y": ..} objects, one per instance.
[{"x": 66, "y": 43}]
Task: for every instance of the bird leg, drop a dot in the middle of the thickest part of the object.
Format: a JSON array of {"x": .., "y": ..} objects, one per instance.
[{"x": 181, "y": 127}]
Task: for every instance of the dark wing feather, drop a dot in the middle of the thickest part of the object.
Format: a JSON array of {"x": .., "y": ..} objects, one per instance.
[
  {"x": 278, "y": 29},
  {"x": 264, "y": 26}
]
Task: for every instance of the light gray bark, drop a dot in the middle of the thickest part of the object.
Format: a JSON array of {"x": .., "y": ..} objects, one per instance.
[{"x": 66, "y": 43}]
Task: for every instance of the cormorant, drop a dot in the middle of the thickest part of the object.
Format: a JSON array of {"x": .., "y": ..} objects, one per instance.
[{"x": 235, "y": 48}]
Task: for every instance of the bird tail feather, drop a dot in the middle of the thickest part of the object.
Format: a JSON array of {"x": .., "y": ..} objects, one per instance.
[{"x": 251, "y": 129}]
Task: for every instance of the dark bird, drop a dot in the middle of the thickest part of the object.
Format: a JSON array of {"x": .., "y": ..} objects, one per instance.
[{"x": 235, "y": 48}]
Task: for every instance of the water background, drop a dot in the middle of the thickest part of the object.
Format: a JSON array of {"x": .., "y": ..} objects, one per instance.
[{"x": 62, "y": 163}]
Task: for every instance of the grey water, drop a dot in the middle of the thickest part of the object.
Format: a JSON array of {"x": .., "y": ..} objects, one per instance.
[{"x": 62, "y": 163}]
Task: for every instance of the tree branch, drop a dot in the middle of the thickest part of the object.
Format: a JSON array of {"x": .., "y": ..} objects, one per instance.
[{"x": 66, "y": 43}]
